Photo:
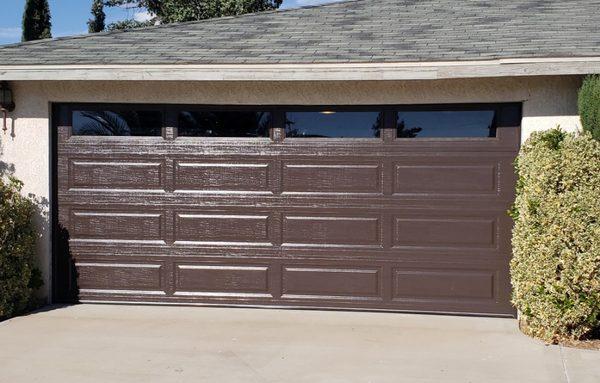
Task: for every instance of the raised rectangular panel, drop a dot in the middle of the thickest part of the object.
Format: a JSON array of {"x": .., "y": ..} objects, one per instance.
[
  {"x": 333, "y": 178},
  {"x": 119, "y": 278},
  {"x": 120, "y": 226},
  {"x": 214, "y": 177},
  {"x": 330, "y": 282},
  {"x": 440, "y": 232},
  {"x": 445, "y": 179},
  {"x": 222, "y": 229},
  {"x": 211, "y": 280},
  {"x": 122, "y": 174},
  {"x": 443, "y": 284},
  {"x": 331, "y": 231}
]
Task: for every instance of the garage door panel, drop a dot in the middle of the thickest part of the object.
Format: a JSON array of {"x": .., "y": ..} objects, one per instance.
[
  {"x": 331, "y": 282},
  {"x": 327, "y": 177},
  {"x": 212, "y": 176},
  {"x": 437, "y": 284},
  {"x": 222, "y": 229},
  {"x": 116, "y": 225},
  {"x": 349, "y": 231},
  {"x": 116, "y": 173},
  {"x": 326, "y": 282},
  {"x": 445, "y": 176},
  {"x": 445, "y": 179},
  {"x": 229, "y": 279},
  {"x": 323, "y": 230},
  {"x": 132, "y": 278},
  {"x": 445, "y": 232}
]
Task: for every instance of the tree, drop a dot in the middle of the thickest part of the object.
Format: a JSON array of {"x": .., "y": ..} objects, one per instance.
[
  {"x": 96, "y": 24},
  {"x": 129, "y": 24},
  {"x": 175, "y": 11},
  {"x": 36, "y": 20},
  {"x": 589, "y": 105}
]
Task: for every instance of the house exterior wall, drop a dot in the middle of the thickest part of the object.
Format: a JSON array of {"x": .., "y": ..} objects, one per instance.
[{"x": 26, "y": 148}]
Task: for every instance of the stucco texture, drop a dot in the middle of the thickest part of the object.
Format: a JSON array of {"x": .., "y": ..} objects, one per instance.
[{"x": 25, "y": 149}]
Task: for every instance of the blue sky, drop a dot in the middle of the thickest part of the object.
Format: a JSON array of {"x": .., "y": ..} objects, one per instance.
[{"x": 69, "y": 17}]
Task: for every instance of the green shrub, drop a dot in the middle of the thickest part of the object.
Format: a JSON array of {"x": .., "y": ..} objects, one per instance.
[
  {"x": 555, "y": 268},
  {"x": 589, "y": 105},
  {"x": 18, "y": 277}
]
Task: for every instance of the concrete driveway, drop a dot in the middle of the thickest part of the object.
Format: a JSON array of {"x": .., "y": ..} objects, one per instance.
[{"x": 109, "y": 343}]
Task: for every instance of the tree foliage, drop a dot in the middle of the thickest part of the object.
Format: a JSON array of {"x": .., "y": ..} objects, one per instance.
[
  {"x": 555, "y": 269},
  {"x": 36, "y": 20},
  {"x": 589, "y": 105},
  {"x": 97, "y": 23},
  {"x": 129, "y": 24},
  {"x": 19, "y": 278},
  {"x": 174, "y": 11}
]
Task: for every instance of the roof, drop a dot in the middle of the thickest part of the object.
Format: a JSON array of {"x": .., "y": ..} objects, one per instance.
[
  {"x": 358, "y": 31},
  {"x": 351, "y": 40}
]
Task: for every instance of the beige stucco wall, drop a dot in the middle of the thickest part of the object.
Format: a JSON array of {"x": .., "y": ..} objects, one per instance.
[{"x": 25, "y": 149}]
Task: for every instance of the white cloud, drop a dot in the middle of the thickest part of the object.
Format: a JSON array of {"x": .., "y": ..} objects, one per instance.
[
  {"x": 142, "y": 16},
  {"x": 10, "y": 33}
]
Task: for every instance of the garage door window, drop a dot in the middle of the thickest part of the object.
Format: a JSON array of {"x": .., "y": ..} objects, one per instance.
[
  {"x": 116, "y": 123},
  {"x": 332, "y": 124},
  {"x": 451, "y": 121},
  {"x": 447, "y": 123},
  {"x": 224, "y": 124},
  {"x": 457, "y": 121}
]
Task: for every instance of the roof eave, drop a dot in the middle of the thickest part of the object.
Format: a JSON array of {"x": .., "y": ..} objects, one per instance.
[{"x": 305, "y": 72}]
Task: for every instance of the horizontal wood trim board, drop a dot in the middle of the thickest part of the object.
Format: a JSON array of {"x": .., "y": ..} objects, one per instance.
[{"x": 306, "y": 72}]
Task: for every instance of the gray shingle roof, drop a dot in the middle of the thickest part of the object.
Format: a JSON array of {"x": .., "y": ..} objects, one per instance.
[{"x": 358, "y": 31}]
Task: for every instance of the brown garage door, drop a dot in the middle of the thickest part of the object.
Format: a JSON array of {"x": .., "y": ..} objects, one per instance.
[{"x": 391, "y": 208}]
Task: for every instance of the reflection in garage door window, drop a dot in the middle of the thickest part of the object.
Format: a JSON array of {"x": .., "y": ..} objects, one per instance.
[
  {"x": 332, "y": 124},
  {"x": 117, "y": 123},
  {"x": 452, "y": 123},
  {"x": 224, "y": 124}
]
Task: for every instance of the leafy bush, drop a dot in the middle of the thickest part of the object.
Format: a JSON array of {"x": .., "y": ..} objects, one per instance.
[
  {"x": 555, "y": 268},
  {"x": 18, "y": 277},
  {"x": 589, "y": 105}
]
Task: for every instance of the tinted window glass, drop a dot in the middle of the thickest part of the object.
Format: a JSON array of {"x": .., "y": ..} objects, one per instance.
[
  {"x": 121, "y": 123},
  {"x": 455, "y": 123},
  {"x": 508, "y": 115},
  {"x": 224, "y": 124},
  {"x": 333, "y": 124}
]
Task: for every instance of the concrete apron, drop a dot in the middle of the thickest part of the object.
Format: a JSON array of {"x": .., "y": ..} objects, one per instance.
[{"x": 110, "y": 343}]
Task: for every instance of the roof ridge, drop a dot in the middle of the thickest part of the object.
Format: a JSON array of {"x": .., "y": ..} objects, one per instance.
[{"x": 173, "y": 25}]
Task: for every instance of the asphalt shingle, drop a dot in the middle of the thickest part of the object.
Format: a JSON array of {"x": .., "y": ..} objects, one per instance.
[{"x": 356, "y": 31}]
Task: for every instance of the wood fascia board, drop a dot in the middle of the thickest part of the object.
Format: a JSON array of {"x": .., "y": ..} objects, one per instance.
[{"x": 305, "y": 72}]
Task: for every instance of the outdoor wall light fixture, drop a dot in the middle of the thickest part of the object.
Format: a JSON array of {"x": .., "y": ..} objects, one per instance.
[{"x": 7, "y": 104}]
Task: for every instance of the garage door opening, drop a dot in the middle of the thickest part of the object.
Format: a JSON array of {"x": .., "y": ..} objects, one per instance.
[{"x": 398, "y": 208}]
